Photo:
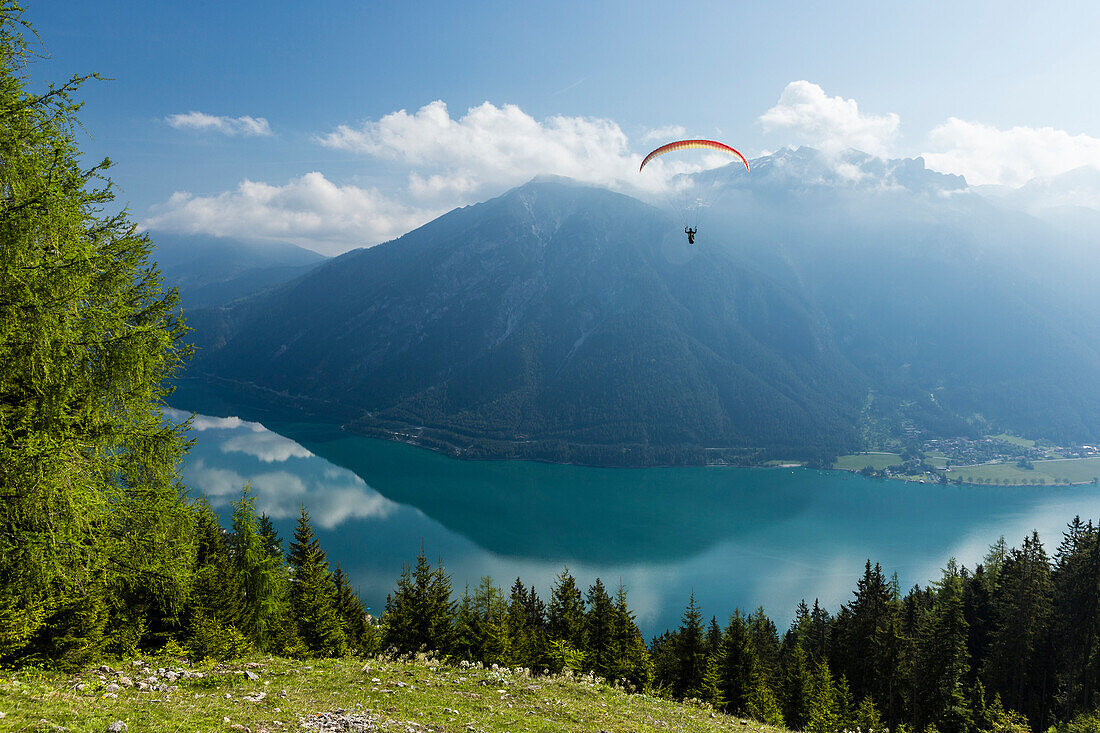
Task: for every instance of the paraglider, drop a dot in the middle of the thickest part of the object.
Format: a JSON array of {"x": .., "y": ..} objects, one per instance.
[
  {"x": 686, "y": 144},
  {"x": 696, "y": 204}
]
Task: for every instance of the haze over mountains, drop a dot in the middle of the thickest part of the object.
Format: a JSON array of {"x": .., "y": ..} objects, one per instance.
[
  {"x": 213, "y": 271},
  {"x": 829, "y": 303}
]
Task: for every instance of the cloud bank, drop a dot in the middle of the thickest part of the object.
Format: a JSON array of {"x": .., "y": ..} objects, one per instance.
[
  {"x": 984, "y": 154},
  {"x": 831, "y": 124},
  {"x": 309, "y": 211},
  {"x": 245, "y": 126},
  {"x": 491, "y": 147}
]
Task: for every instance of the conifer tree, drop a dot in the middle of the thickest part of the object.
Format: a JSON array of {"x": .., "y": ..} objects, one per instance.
[
  {"x": 93, "y": 531},
  {"x": 738, "y": 663},
  {"x": 492, "y": 613},
  {"x": 762, "y": 704},
  {"x": 349, "y": 609},
  {"x": 796, "y": 683},
  {"x": 599, "y": 632},
  {"x": 262, "y": 574},
  {"x": 1076, "y": 592},
  {"x": 822, "y": 710},
  {"x": 711, "y": 688},
  {"x": 525, "y": 622},
  {"x": 633, "y": 660},
  {"x": 216, "y": 599},
  {"x": 691, "y": 652},
  {"x": 312, "y": 593},
  {"x": 468, "y": 636},
  {"x": 1018, "y": 668},
  {"x": 565, "y": 614},
  {"x": 943, "y": 661}
]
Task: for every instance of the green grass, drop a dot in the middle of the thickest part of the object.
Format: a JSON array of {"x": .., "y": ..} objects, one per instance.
[
  {"x": 859, "y": 461},
  {"x": 397, "y": 695},
  {"x": 1014, "y": 440},
  {"x": 1056, "y": 471}
]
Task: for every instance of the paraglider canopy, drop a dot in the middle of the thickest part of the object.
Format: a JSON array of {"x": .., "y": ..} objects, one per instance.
[{"x": 685, "y": 144}]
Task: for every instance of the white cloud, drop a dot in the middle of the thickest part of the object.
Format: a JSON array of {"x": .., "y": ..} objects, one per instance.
[
  {"x": 491, "y": 147},
  {"x": 985, "y": 154},
  {"x": 245, "y": 126},
  {"x": 309, "y": 211},
  {"x": 829, "y": 123},
  {"x": 269, "y": 447},
  {"x": 665, "y": 134},
  {"x": 332, "y": 500}
]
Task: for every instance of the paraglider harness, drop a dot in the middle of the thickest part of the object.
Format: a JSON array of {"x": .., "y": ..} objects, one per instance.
[{"x": 691, "y": 234}]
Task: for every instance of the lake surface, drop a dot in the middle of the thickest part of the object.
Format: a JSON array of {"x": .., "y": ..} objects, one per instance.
[{"x": 738, "y": 537}]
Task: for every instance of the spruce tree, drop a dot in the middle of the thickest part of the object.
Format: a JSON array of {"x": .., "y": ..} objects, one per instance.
[
  {"x": 691, "y": 652},
  {"x": 633, "y": 662},
  {"x": 1018, "y": 668},
  {"x": 822, "y": 710},
  {"x": 349, "y": 609},
  {"x": 762, "y": 703},
  {"x": 565, "y": 614},
  {"x": 795, "y": 687},
  {"x": 312, "y": 593},
  {"x": 261, "y": 573},
  {"x": 599, "y": 632},
  {"x": 737, "y": 663}
]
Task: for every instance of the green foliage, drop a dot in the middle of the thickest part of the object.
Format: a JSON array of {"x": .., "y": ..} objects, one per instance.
[
  {"x": 420, "y": 614},
  {"x": 212, "y": 639},
  {"x": 313, "y": 593},
  {"x": 565, "y": 614},
  {"x": 566, "y": 657},
  {"x": 762, "y": 704},
  {"x": 691, "y": 652},
  {"x": 822, "y": 705},
  {"x": 93, "y": 532},
  {"x": 260, "y": 570}
]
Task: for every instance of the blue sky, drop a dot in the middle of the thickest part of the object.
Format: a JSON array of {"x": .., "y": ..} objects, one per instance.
[{"x": 298, "y": 136}]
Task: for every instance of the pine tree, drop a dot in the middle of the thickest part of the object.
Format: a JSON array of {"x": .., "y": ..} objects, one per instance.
[
  {"x": 349, "y": 609},
  {"x": 691, "y": 652},
  {"x": 762, "y": 704},
  {"x": 420, "y": 615},
  {"x": 633, "y": 662},
  {"x": 1018, "y": 668},
  {"x": 312, "y": 593},
  {"x": 599, "y": 632},
  {"x": 1076, "y": 592},
  {"x": 822, "y": 711},
  {"x": 492, "y": 613},
  {"x": 272, "y": 543},
  {"x": 942, "y": 661},
  {"x": 795, "y": 688},
  {"x": 565, "y": 615},
  {"x": 526, "y": 633},
  {"x": 737, "y": 664},
  {"x": 711, "y": 689},
  {"x": 262, "y": 574},
  {"x": 93, "y": 531}
]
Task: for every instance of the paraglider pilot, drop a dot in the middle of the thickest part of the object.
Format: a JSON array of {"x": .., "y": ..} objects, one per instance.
[{"x": 691, "y": 234}]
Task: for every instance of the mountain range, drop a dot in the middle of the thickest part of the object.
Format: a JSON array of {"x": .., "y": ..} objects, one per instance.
[{"x": 830, "y": 303}]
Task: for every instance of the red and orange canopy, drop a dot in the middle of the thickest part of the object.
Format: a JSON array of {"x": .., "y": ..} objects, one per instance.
[{"x": 685, "y": 144}]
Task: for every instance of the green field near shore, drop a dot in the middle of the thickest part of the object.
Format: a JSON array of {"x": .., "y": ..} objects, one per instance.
[
  {"x": 859, "y": 461},
  {"x": 1055, "y": 471}
]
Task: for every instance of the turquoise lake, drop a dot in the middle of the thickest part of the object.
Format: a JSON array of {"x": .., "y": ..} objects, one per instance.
[{"x": 737, "y": 537}]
